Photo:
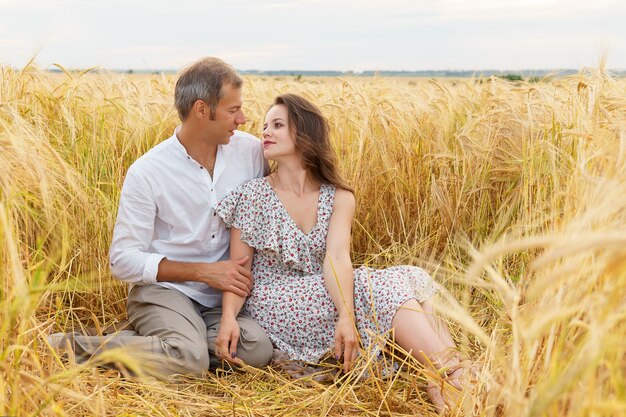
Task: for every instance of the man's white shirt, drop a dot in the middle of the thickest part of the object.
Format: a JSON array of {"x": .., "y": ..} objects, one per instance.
[{"x": 167, "y": 211}]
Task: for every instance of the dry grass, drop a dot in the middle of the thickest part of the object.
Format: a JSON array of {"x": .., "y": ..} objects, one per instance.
[{"x": 514, "y": 195}]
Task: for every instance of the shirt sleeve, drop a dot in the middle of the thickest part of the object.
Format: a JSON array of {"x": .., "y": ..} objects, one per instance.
[
  {"x": 261, "y": 165},
  {"x": 129, "y": 258}
]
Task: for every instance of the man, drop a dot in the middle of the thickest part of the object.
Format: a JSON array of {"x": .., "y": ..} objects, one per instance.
[{"x": 168, "y": 242}]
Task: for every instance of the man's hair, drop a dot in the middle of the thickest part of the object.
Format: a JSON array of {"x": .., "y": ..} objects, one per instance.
[{"x": 203, "y": 80}]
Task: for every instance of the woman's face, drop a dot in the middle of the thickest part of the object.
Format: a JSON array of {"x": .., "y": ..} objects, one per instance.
[{"x": 277, "y": 139}]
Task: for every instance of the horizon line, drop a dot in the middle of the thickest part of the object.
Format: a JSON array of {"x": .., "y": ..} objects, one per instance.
[{"x": 528, "y": 71}]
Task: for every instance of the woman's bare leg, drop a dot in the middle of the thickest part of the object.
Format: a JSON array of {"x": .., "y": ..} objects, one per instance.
[
  {"x": 438, "y": 324},
  {"x": 415, "y": 331}
]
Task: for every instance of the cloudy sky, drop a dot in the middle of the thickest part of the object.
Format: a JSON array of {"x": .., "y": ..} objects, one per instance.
[{"x": 315, "y": 34}]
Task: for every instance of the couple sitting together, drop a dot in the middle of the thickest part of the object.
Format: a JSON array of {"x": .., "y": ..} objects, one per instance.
[{"x": 229, "y": 264}]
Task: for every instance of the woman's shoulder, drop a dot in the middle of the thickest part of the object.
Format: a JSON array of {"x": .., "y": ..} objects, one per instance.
[
  {"x": 344, "y": 199},
  {"x": 252, "y": 185},
  {"x": 242, "y": 204},
  {"x": 344, "y": 195}
]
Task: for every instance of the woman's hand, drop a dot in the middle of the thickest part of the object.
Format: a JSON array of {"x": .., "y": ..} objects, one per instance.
[
  {"x": 226, "y": 342},
  {"x": 346, "y": 341}
]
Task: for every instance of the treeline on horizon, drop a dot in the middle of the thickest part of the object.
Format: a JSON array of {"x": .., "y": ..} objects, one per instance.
[
  {"x": 427, "y": 73},
  {"x": 511, "y": 74}
]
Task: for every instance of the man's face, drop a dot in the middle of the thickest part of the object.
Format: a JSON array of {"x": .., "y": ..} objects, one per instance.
[{"x": 228, "y": 115}]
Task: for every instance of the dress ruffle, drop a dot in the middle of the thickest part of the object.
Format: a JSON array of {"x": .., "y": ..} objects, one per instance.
[{"x": 245, "y": 208}]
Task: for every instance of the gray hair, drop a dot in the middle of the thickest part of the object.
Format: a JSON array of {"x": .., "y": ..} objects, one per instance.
[{"x": 203, "y": 80}]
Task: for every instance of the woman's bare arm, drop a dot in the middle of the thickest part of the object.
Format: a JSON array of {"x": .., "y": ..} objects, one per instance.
[
  {"x": 228, "y": 335},
  {"x": 338, "y": 275}
]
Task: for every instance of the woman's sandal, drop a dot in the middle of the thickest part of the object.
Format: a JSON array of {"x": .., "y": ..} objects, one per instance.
[
  {"x": 435, "y": 392},
  {"x": 449, "y": 386}
]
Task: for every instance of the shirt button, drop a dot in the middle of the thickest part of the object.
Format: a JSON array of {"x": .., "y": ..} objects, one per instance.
[
  {"x": 211, "y": 189},
  {"x": 201, "y": 167},
  {"x": 215, "y": 213},
  {"x": 212, "y": 236}
]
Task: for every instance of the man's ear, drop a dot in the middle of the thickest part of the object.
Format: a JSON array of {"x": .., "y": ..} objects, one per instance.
[{"x": 200, "y": 109}]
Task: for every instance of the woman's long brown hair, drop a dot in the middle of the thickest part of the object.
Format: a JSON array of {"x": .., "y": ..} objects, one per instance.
[{"x": 310, "y": 130}]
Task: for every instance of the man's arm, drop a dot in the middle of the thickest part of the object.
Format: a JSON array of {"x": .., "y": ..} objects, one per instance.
[
  {"x": 129, "y": 258},
  {"x": 231, "y": 275},
  {"x": 131, "y": 261}
]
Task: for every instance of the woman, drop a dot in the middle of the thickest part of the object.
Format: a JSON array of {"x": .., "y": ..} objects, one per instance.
[{"x": 294, "y": 225}]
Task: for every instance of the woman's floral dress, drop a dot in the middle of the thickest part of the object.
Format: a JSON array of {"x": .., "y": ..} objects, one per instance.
[{"x": 289, "y": 298}]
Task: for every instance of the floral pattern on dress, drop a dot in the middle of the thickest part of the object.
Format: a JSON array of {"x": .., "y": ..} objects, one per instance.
[{"x": 289, "y": 298}]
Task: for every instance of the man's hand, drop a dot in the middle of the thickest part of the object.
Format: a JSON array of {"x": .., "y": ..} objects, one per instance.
[
  {"x": 346, "y": 341},
  {"x": 226, "y": 342},
  {"x": 227, "y": 276}
]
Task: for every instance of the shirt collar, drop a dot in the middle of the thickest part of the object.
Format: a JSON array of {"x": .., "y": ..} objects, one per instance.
[{"x": 220, "y": 163}]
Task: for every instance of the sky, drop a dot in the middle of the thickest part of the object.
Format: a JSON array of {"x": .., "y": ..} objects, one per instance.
[{"x": 344, "y": 35}]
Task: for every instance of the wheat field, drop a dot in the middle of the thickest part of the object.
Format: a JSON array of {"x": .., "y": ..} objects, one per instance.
[{"x": 513, "y": 195}]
